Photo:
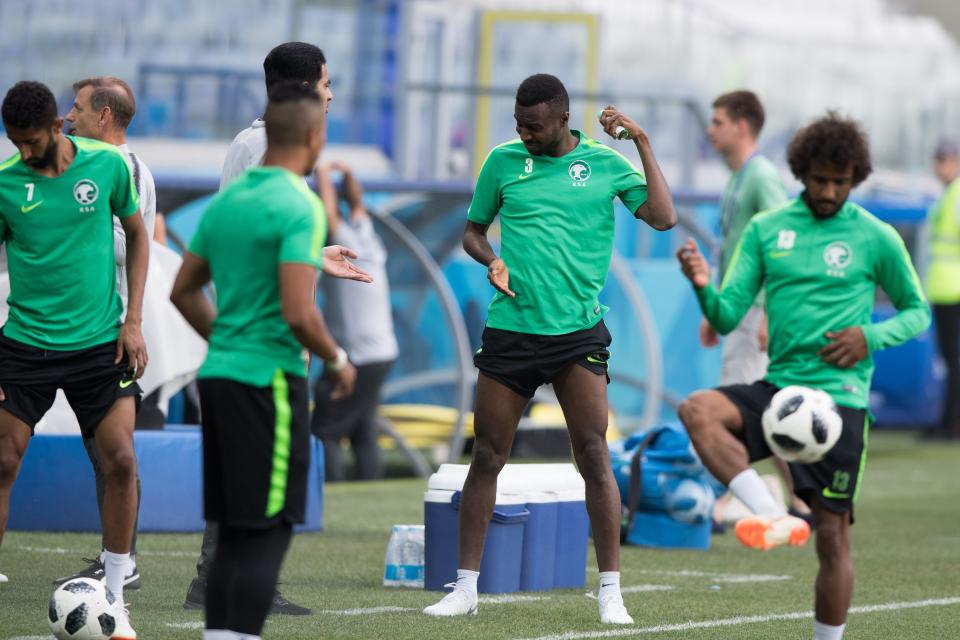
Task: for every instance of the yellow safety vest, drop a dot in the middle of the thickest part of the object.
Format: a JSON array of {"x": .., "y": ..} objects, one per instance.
[{"x": 943, "y": 274}]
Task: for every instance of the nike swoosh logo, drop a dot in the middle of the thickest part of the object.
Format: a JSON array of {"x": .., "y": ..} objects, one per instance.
[
  {"x": 595, "y": 360},
  {"x": 827, "y": 493},
  {"x": 25, "y": 209},
  {"x": 524, "y": 176},
  {"x": 126, "y": 383}
]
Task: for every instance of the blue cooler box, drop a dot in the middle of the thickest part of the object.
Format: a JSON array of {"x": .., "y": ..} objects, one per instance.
[{"x": 502, "y": 552}]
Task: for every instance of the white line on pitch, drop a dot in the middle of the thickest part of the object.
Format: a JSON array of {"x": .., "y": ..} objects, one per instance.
[
  {"x": 62, "y": 551},
  {"x": 363, "y": 612},
  {"x": 719, "y": 577},
  {"x": 185, "y": 625},
  {"x": 742, "y": 620},
  {"x": 637, "y": 588},
  {"x": 507, "y": 599}
]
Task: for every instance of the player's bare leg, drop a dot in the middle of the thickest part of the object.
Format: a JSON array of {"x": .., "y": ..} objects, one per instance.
[
  {"x": 834, "y": 584},
  {"x": 714, "y": 424},
  {"x": 14, "y": 437},
  {"x": 497, "y": 414},
  {"x": 583, "y": 398}
]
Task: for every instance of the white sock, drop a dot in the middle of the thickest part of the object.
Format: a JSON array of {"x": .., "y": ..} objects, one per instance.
[
  {"x": 467, "y": 581},
  {"x": 751, "y": 491},
  {"x": 609, "y": 584},
  {"x": 244, "y": 636},
  {"x": 218, "y": 634},
  {"x": 827, "y": 631},
  {"x": 115, "y": 569}
]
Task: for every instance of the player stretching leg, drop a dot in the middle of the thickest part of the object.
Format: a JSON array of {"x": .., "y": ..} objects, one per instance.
[
  {"x": 553, "y": 189},
  {"x": 819, "y": 260}
]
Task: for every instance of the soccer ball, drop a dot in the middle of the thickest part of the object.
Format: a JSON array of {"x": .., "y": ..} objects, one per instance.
[
  {"x": 82, "y": 609},
  {"x": 691, "y": 501},
  {"x": 801, "y": 424}
]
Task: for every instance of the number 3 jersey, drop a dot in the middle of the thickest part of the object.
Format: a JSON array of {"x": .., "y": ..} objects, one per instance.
[
  {"x": 556, "y": 228},
  {"x": 820, "y": 275},
  {"x": 59, "y": 238}
]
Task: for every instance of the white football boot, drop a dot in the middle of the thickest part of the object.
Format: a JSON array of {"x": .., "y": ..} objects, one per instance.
[{"x": 458, "y": 602}]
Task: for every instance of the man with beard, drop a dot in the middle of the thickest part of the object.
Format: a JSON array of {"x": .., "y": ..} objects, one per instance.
[
  {"x": 818, "y": 260},
  {"x": 58, "y": 196}
]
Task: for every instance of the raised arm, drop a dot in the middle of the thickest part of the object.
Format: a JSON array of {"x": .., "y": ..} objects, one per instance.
[{"x": 657, "y": 211}]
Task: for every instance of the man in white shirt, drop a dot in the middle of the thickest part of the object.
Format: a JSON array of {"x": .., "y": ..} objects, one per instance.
[{"x": 102, "y": 110}]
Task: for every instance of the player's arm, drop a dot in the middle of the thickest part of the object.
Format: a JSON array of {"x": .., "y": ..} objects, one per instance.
[
  {"x": 478, "y": 247},
  {"x": 137, "y": 250},
  {"x": 725, "y": 308},
  {"x": 894, "y": 273},
  {"x": 657, "y": 211},
  {"x": 298, "y": 305},
  {"x": 188, "y": 296}
]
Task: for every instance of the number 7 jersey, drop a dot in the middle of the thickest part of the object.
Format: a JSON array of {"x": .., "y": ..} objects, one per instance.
[{"x": 59, "y": 238}]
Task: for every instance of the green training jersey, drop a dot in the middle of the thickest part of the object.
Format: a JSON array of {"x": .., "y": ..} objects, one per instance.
[
  {"x": 59, "y": 237},
  {"x": 556, "y": 221},
  {"x": 820, "y": 275},
  {"x": 755, "y": 187},
  {"x": 264, "y": 218}
]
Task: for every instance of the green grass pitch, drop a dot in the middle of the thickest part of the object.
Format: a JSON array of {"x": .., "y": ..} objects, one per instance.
[{"x": 906, "y": 550}]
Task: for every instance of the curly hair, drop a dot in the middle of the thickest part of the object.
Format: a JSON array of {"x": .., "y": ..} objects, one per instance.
[
  {"x": 29, "y": 105},
  {"x": 833, "y": 141}
]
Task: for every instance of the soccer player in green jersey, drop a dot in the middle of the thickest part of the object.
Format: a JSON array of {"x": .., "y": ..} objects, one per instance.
[
  {"x": 58, "y": 197},
  {"x": 819, "y": 260},
  {"x": 553, "y": 189},
  {"x": 261, "y": 243}
]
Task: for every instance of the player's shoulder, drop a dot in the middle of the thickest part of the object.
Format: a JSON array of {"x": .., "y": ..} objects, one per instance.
[
  {"x": 507, "y": 150},
  {"x": 595, "y": 150},
  {"x": 869, "y": 223},
  {"x": 789, "y": 210},
  {"x": 98, "y": 149},
  {"x": 7, "y": 166}
]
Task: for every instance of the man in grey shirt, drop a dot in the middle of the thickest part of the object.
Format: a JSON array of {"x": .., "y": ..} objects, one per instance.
[{"x": 360, "y": 319}]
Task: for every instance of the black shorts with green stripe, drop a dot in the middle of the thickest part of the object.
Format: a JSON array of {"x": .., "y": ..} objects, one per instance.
[
  {"x": 525, "y": 361},
  {"x": 835, "y": 480},
  {"x": 256, "y": 451}
]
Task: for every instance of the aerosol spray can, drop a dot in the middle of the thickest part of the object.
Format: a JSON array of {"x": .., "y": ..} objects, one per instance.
[{"x": 621, "y": 133}]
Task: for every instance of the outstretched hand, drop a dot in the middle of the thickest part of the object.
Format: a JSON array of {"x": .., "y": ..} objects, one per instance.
[
  {"x": 335, "y": 264},
  {"x": 499, "y": 276},
  {"x": 847, "y": 347},
  {"x": 693, "y": 264}
]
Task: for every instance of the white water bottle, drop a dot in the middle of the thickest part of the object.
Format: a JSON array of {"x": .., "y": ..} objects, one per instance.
[{"x": 620, "y": 133}]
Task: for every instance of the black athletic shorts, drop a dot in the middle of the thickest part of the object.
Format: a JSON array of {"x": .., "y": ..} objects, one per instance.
[
  {"x": 30, "y": 377},
  {"x": 256, "y": 451},
  {"x": 525, "y": 361},
  {"x": 835, "y": 480}
]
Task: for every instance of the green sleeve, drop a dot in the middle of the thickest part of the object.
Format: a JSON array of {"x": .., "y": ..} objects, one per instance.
[
  {"x": 725, "y": 308},
  {"x": 304, "y": 233},
  {"x": 630, "y": 184},
  {"x": 124, "y": 200},
  {"x": 486, "y": 195},
  {"x": 895, "y": 274}
]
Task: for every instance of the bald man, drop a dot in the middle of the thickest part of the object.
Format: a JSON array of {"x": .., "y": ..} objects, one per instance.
[{"x": 261, "y": 241}]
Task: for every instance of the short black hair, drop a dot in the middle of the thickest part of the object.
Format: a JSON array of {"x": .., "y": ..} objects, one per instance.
[
  {"x": 742, "y": 105},
  {"x": 29, "y": 105},
  {"x": 287, "y": 116},
  {"x": 834, "y": 141},
  {"x": 543, "y": 88},
  {"x": 300, "y": 61}
]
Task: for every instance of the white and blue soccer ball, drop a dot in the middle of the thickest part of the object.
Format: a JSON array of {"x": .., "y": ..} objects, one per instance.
[
  {"x": 82, "y": 609},
  {"x": 691, "y": 501},
  {"x": 801, "y": 424}
]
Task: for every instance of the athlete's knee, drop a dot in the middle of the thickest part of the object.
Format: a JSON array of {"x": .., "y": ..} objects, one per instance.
[
  {"x": 696, "y": 414},
  {"x": 833, "y": 541},
  {"x": 593, "y": 459},
  {"x": 120, "y": 465},
  {"x": 488, "y": 458},
  {"x": 9, "y": 465}
]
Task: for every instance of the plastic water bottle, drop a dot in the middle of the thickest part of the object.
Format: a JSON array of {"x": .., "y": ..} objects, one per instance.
[
  {"x": 403, "y": 562},
  {"x": 621, "y": 132}
]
